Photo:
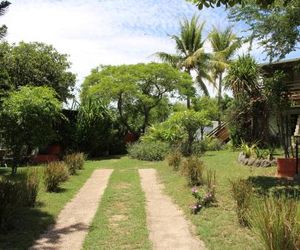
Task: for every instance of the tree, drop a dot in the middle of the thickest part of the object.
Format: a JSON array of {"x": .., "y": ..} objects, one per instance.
[
  {"x": 135, "y": 91},
  {"x": 249, "y": 109},
  {"x": 208, "y": 105},
  {"x": 27, "y": 120},
  {"x": 94, "y": 127},
  {"x": 190, "y": 122},
  {"x": 230, "y": 3},
  {"x": 275, "y": 27},
  {"x": 224, "y": 45},
  {"x": 190, "y": 52},
  {"x": 37, "y": 64},
  {"x": 3, "y": 7}
]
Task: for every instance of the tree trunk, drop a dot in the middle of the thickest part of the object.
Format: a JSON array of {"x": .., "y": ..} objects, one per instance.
[
  {"x": 188, "y": 102},
  {"x": 219, "y": 98}
]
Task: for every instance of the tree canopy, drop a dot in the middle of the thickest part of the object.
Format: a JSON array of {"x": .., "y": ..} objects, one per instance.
[
  {"x": 134, "y": 90},
  {"x": 35, "y": 64},
  {"x": 275, "y": 27},
  {"x": 3, "y": 7},
  {"x": 229, "y": 3},
  {"x": 27, "y": 118}
]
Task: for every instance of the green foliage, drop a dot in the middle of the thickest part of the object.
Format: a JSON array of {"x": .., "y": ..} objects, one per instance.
[
  {"x": 208, "y": 104},
  {"x": 275, "y": 221},
  {"x": 250, "y": 107},
  {"x": 37, "y": 64},
  {"x": 95, "y": 127},
  {"x": 174, "y": 159},
  {"x": 55, "y": 173},
  {"x": 74, "y": 162},
  {"x": 242, "y": 193},
  {"x": 10, "y": 199},
  {"x": 190, "y": 55},
  {"x": 148, "y": 151},
  {"x": 135, "y": 90},
  {"x": 248, "y": 150},
  {"x": 27, "y": 118},
  {"x": 31, "y": 187},
  {"x": 211, "y": 182},
  {"x": 193, "y": 169},
  {"x": 3, "y": 7},
  {"x": 275, "y": 27}
]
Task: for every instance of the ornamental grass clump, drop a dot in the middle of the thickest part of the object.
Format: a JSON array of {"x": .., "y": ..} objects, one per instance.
[
  {"x": 31, "y": 184},
  {"x": 55, "y": 173},
  {"x": 174, "y": 159},
  {"x": 211, "y": 183},
  {"x": 276, "y": 223},
  {"x": 242, "y": 193},
  {"x": 193, "y": 169},
  {"x": 74, "y": 162}
]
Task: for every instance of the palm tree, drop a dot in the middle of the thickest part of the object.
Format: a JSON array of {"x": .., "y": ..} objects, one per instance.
[
  {"x": 190, "y": 52},
  {"x": 224, "y": 45}
]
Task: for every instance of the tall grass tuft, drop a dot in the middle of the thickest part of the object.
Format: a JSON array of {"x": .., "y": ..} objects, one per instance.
[
  {"x": 193, "y": 169},
  {"x": 211, "y": 183},
  {"x": 242, "y": 193},
  {"x": 174, "y": 159},
  {"x": 74, "y": 162},
  {"x": 31, "y": 187},
  {"x": 276, "y": 222},
  {"x": 55, "y": 173}
]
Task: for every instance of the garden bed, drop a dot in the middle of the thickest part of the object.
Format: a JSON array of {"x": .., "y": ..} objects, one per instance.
[{"x": 250, "y": 161}]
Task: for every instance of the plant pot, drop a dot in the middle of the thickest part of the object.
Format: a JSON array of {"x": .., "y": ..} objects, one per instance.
[{"x": 286, "y": 167}]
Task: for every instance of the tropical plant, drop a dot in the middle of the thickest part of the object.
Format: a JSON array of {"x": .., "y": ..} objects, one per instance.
[
  {"x": 248, "y": 150},
  {"x": 95, "y": 127},
  {"x": 190, "y": 53},
  {"x": 224, "y": 45}
]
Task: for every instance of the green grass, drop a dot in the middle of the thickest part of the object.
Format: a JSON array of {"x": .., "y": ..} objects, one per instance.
[
  {"x": 120, "y": 222},
  {"x": 30, "y": 222}
]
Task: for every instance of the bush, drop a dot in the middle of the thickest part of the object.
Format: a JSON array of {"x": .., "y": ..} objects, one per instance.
[
  {"x": 148, "y": 151},
  {"x": 242, "y": 193},
  {"x": 214, "y": 144},
  {"x": 174, "y": 159},
  {"x": 74, "y": 162},
  {"x": 11, "y": 197},
  {"x": 31, "y": 187},
  {"x": 55, "y": 173},
  {"x": 276, "y": 222},
  {"x": 193, "y": 169}
]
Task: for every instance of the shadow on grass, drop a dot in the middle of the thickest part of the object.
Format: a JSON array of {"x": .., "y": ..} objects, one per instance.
[
  {"x": 108, "y": 157},
  {"x": 266, "y": 185},
  {"x": 25, "y": 226}
]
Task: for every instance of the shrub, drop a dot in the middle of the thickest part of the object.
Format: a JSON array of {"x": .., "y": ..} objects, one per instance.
[
  {"x": 242, "y": 193},
  {"x": 148, "y": 151},
  {"x": 276, "y": 222},
  {"x": 174, "y": 159},
  {"x": 55, "y": 173},
  {"x": 201, "y": 201},
  {"x": 247, "y": 150},
  {"x": 10, "y": 199},
  {"x": 214, "y": 144},
  {"x": 31, "y": 187},
  {"x": 74, "y": 162},
  {"x": 193, "y": 169}
]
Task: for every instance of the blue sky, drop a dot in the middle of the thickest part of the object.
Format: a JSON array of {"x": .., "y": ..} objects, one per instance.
[{"x": 95, "y": 32}]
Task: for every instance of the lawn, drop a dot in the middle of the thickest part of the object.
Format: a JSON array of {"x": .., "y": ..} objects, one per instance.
[{"x": 120, "y": 222}]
